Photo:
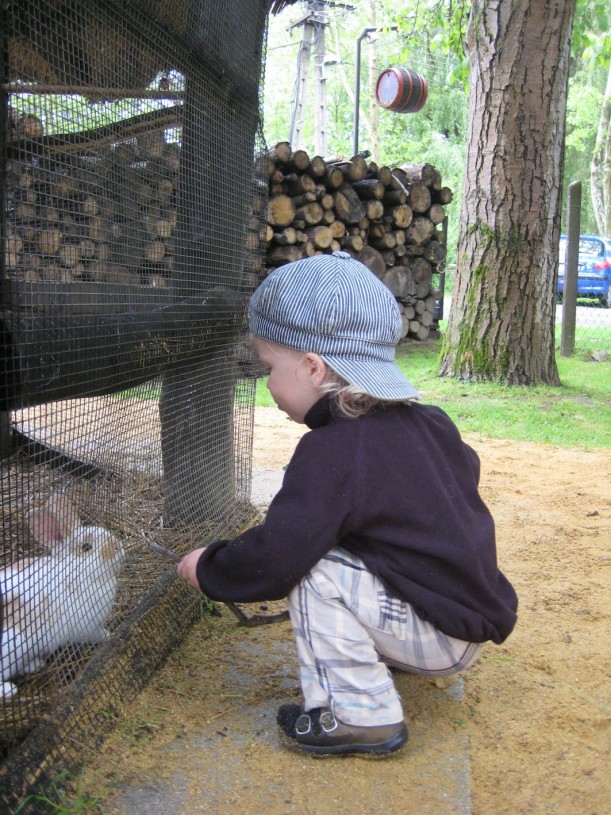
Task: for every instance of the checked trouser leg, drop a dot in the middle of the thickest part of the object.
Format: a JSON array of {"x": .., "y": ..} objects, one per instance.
[{"x": 347, "y": 627}]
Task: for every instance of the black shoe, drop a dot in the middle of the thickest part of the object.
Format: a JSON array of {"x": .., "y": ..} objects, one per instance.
[{"x": 320, "y": 733}]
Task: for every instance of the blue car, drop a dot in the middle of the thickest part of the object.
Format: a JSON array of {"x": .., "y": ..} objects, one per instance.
[{"x": 594, "y": 268}]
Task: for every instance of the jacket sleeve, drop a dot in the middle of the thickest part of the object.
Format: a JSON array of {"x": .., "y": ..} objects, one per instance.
[{"x": 304, "y": 521}]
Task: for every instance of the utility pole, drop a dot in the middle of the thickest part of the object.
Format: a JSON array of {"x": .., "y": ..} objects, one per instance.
[
  {"x": 312, "y": 48},
  {"x": 301, "y": 84},
  {"x": 320, "y": 76}
]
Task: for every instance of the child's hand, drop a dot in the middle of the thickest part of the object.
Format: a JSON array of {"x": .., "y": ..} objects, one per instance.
[{"x": 187, "y": 566}]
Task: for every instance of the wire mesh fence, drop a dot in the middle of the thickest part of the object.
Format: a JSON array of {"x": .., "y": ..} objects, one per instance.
[
  {"x": 592, "y": 328},
  {"x": 131, "y": 230}
]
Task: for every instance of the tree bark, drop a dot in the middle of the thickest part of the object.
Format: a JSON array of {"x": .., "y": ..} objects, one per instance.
[{"x": 501, "y": 326}]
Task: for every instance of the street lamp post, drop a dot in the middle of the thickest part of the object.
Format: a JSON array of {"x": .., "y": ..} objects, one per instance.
[{"x": 357, "y": 85}]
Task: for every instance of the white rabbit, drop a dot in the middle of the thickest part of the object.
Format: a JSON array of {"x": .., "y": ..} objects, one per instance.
[{"x": 62, "y": 598}]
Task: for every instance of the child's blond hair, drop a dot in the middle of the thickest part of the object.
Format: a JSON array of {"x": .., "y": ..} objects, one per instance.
[{"x": 349, "y": 400}]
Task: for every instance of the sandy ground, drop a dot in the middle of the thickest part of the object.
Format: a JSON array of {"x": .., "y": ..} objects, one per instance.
[{"x": 532, "y": 716}]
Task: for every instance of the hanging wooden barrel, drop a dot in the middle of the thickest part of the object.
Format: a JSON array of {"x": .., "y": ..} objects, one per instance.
[{"x": 401, "y": 90}]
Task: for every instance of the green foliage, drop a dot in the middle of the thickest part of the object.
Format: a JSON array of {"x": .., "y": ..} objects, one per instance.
[
  {"x": 590, "y": 52},
  {"x": 583, "y": 109},
  {"x": 591, "y": 43},
  {"x": 145, "y": 391},
  {"x": 442, "y": 24}
]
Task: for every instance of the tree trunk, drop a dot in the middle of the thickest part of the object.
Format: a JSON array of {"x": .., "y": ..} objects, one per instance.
[{"x": 501, "y": 324}]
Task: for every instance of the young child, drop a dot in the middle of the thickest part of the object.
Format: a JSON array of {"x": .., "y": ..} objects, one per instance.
[{"x": 378, "y": 536}]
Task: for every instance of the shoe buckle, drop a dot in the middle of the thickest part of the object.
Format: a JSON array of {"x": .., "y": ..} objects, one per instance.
[
  {"x": 328, "y": 722},
  {"x": 303, "y": 725}
]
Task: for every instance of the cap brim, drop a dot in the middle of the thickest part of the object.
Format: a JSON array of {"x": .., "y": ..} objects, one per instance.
[{"x": 384, "y": 380}]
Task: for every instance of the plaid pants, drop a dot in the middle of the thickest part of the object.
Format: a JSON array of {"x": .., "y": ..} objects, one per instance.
[{"x": 349, "y": 629}]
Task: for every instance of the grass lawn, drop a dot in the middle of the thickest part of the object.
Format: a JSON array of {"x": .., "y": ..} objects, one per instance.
[{"x": 577, "y": 414}]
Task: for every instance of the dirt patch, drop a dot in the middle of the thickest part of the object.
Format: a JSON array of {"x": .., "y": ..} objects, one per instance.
[{"x": 531, "y": 717}]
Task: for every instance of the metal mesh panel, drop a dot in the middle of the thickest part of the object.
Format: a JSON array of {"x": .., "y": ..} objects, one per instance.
[
  {"x": 592, "y": 328},
  {"x": 131, "y": 235}
]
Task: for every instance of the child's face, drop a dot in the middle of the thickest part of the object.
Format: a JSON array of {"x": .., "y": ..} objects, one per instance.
[{"x": 294, "y": 377}]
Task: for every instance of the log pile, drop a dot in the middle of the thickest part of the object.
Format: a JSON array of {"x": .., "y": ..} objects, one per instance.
[
  {"x": 389, "y": 219},
  {"x": 106, "y": 215}
]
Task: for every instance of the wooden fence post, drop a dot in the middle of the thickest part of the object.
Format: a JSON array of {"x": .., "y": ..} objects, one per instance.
[{"x": 569, "y": 300}]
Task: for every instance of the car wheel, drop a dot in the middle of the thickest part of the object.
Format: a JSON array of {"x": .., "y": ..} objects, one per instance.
[
  {"x": 558, "y": 298},
  {"x": 605, "y": 300}
]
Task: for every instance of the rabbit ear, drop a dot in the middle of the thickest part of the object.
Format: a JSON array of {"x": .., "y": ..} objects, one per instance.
[
  {"x": 44, "y": 526},
  {"x": 54, "y": 521}
]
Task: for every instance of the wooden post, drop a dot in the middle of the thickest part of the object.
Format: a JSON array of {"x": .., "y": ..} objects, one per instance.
[
  {"x": 569, "y": 307},
  {"x": 197, "y": 400}
]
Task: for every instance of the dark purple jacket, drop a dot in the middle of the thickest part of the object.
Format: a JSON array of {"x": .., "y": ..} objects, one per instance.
[{"x": 398, "y": 488}]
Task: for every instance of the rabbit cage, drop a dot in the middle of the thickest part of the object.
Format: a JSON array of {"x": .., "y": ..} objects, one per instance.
[{"x": 130, "y": 240}]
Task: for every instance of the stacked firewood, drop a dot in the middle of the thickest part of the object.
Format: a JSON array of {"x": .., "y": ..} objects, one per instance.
[
  {"x": 109, "y": 216},
  {"x": 103, "y": 216},
  {"x": 389, "y": 219}
]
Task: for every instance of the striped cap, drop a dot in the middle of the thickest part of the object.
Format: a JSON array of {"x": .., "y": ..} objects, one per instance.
[{"x": 333, "y": 306}]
